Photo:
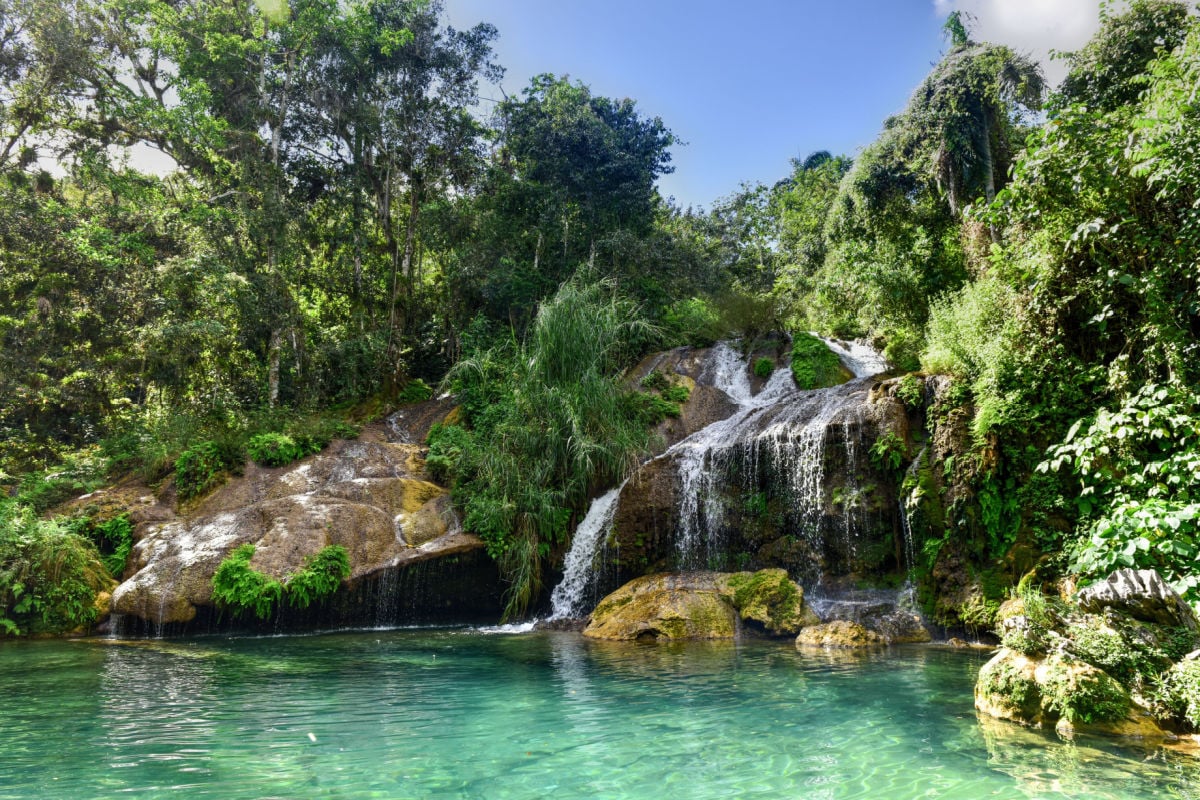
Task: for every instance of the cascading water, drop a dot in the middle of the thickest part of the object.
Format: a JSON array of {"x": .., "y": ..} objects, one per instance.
[
  {"x": 775, "y": 439},
  {"x": 568, "y": 597}
]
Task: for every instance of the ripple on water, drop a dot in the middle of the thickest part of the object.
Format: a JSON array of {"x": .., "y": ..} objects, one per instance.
[{"x": 468, "y": 715}]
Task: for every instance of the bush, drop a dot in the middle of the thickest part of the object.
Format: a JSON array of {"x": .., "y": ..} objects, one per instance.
[
  {"x": 655, "y": 381},
  {"x": 815, "y": 366},
  {"x": 415, "y": 391},
  {"x": 694, "y": 321},
  {"x": 1084, "y": 697},
  {"x": 199, "y": 469},
  {"x": 679, "y": 393},
  {"x": 911, "y": 391},
  {"x": 320, "y": 577},
  {"x": 449, "y": 448},
  {"x": 763, "y": 367},
  {"x": 278, "y": 449},
  {"x": 49, "y": 576},
  {"x": 242, "y": 590},
  {"x": 1178, "y": 693}
]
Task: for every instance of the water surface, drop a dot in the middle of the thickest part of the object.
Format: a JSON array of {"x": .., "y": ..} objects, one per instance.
[{"x": 464, "y": 714}]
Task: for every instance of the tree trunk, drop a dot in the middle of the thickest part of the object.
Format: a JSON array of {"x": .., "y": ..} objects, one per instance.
[{"x": 273, "y": 357}]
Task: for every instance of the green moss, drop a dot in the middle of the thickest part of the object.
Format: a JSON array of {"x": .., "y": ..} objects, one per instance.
[
  {"x": 815, "y": 366},
  {"x": 763, "y": 367},
  {"x": 768, "y": 597},
  {"x": 1133, "y": 653},
  {"x": 1177, "y": 696},
  {"x": 655, "y": 381},
  {"x": 1084, "y": 695},
  {"x": 1009, "y": 686}
]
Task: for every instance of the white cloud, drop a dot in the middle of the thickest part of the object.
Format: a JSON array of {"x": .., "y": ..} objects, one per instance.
[{"x": 1031, "y": 26}]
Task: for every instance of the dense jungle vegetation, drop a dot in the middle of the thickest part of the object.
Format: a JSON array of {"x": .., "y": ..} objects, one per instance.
[{"x": 353, "y": 224}]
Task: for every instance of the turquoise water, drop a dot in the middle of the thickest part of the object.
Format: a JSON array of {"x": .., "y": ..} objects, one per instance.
[{"x": 459, "y": 713}]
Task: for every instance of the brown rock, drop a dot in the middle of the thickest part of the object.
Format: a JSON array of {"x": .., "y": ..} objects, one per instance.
[
  {"x": 839, "y": 633},
  {"x": 685, "y": 606}
]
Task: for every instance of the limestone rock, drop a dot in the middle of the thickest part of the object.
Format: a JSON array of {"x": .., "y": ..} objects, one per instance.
[
  {"x": 1060, "y": 692},
  {"x": 839, "y": 633},
  {"x": 685, "y": 606},
  {"x": 1142, "y": 594},
  {"x": 771, "y": 599},
  {"x": 370, "y": 496}
]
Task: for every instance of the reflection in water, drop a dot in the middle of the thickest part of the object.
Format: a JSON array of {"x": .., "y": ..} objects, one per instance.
[{"x": 458, "y": 713}]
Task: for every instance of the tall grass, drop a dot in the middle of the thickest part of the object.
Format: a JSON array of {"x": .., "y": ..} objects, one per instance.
[{"x": 551, "y": 424}]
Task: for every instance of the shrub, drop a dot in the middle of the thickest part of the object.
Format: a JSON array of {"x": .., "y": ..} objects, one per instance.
[
  {"x": 655, "y": 381},
  {"x": 278, "y": 449},
  {"x": 240, "y": 589},
  {"x": 910, "y": 390},
  {"x": 49, "y": 576},
  {"x": 693, "y": 321},
  {"x": 763, "y": 367},
  {"x": 415, "y": 391},
  {"x": 449, "y": 445},
  {"x": 1178, "y": 693},
  {"x": 1084, "y": 696},
  {"x": 815, "y": 366},
  {"x": 679, "y": 393},
  {"x": 320, "y": 577},
  {"x": 199, "y": 469}
]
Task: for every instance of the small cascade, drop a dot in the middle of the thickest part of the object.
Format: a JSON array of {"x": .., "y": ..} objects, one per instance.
[
  {"x": 774, "y": 447},
  {"x": 909, "y": 500},
  {"x": 567, "y": 600}
]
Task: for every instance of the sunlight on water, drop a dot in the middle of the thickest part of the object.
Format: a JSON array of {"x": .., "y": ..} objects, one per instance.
[{"x": 461, "y": 714}]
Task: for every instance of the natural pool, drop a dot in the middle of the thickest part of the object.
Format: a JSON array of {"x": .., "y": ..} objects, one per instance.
[{"x": 461, "y": 713}]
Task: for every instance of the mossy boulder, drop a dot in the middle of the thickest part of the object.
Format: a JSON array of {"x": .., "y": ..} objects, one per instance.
[
  {"x": 839, "y": 634},
  {"x": 701, "y": 605},
  {"x": 771, "y": 599},
  {"x": 686, "y": 606}
]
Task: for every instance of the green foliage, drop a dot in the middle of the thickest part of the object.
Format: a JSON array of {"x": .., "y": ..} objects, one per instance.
[
  {"x": 49, "y": 576},
  {"x": 278, "y": 449},
  {"x": 1133, "y": 656},
  {"x": 201, "y": 468},
  {"x": 678, "y": 393},
  {"x": 449, "y": 447},
  {"x": 321, "y": 575},
  {"x": 415, "y": 391},
  {"x": 1139, "y": 472},
  {"x": 655, "y": 381},
  {"x": 763, "y": 367},
  {"x": 1178, "y": 693},
  {"x": 815, "y": 366},
  {"x": 694, "y": 321},
  {"x": 242, "y": 590},
  {"x": 115, "y": 538},
  {"x": 1004, "y": 681},
  {"x": 551, "y": 424},
  {"x": 1087, "y": 698},
  {"x": 888, "y": 452},
  {"x": 911, "y": 391}
]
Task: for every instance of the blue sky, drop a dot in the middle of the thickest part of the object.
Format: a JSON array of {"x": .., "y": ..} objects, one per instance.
[{"x": 749, "y": 84}]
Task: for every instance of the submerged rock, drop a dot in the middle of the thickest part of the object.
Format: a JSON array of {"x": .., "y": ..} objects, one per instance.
[
  {"x": 839, "y": 633},
  {"x": 701, "y": 605}
]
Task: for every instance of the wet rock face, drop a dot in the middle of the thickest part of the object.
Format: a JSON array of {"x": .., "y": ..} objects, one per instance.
[
  {"x": 369, "y": 495},
  {"x": 701, "y": 605},
  {"x": 1142, "y": 594}
]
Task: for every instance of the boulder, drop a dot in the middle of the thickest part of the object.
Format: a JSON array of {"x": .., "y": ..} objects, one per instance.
[
  {"x": 685, "y": 606},
  {"x": 1142, "y": 594},
  {"x": 770, "y": 599},
  {"x": 1061, "y": 692},
  {"x": 839, "y": 633},
  {"x": 702, "y": 605},
  {"x": 370, "y": 495}
]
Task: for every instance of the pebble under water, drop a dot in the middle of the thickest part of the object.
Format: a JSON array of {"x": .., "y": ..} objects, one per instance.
[{"x": 466, "y": 714}]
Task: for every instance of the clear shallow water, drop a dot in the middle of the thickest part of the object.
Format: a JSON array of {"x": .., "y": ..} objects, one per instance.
[{"x": 463, "y": 714}]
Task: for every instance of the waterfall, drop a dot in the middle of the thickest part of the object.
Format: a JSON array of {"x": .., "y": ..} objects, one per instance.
[
  {"x": 567, "y": 599},
  {"x": 779, "y": 433}
]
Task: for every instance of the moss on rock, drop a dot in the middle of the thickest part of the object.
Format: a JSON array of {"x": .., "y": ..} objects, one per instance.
[
  {"x": 841, "y": 634},
  {"x": 771, "y": 599}
]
